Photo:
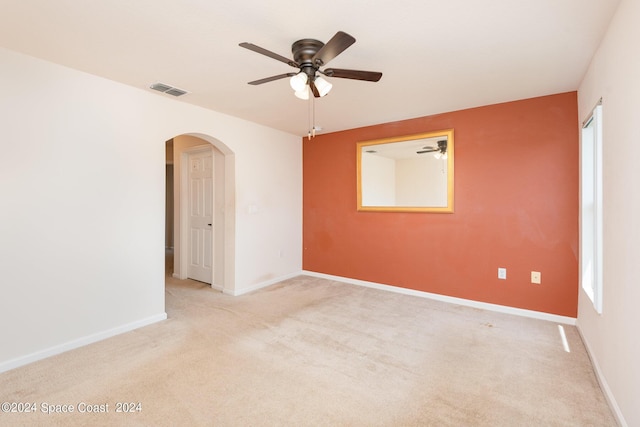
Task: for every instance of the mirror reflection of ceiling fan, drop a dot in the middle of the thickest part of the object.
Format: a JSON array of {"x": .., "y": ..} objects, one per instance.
[
  {"x": 309, "y": 55},
  {"x": 441, "y": 149}
]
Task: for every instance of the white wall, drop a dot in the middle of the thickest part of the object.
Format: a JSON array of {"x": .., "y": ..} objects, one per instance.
[
  {"x": 82, "y": 197},
  {"x": 378, "y": 176},
  {"x": 421, "y": 181},
  {"x": 612, "y": 337}
]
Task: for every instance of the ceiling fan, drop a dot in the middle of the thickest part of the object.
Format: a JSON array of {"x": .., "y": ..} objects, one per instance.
[
  {"x": 309, "y": 55},
  {"x": 441, "y": 150}
]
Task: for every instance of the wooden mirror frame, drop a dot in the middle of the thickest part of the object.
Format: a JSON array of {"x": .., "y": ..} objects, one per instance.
[{"x": 411, "y": 142}]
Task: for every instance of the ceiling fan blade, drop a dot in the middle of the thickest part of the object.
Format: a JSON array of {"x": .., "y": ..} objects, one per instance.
[
  {"x": 333, "y": 48},
  {"x": 272, "y": 78},
  {"x": 268, "y": 53},
  {"x": 314, "y": 89},
  {"x": 370, "y": 76},
  {"x": 427, "y": 150}
]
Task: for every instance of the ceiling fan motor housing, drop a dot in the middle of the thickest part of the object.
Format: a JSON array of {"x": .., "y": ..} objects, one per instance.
[{"x": 303, "y": 52}]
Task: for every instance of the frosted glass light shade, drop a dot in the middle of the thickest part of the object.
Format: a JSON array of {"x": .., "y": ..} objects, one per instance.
[
  {"x": 299, "y": 81},
  {"x": 322, "y": 85},
  {"x": 304, "y": 93}
]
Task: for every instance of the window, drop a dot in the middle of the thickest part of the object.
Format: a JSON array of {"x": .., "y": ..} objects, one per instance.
[{"x": 591, "y": 207}]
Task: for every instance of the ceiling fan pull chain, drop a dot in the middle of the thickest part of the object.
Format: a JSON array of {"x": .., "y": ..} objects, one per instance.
[
  {"x": 309, "y": 120},
  {"x": 313, "y": 122}
]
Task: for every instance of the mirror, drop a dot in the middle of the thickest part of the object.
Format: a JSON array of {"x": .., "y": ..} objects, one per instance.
[{"x": 412, "y": 173}]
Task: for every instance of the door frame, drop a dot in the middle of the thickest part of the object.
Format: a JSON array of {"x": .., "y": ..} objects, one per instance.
[{"x": 224, "y": 212}]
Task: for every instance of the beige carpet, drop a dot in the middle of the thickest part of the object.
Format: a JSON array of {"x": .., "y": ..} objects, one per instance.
[{"x": 310, "y": 351}]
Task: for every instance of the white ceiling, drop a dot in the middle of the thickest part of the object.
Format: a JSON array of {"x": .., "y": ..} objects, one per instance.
[{"x": 435, "y": 56}]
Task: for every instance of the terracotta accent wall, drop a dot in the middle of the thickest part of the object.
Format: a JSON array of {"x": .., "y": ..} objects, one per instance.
[{"x": 516, "y": 206}]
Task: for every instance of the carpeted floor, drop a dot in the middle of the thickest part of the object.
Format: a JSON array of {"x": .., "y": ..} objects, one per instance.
[{"x": 310, "y": 351}]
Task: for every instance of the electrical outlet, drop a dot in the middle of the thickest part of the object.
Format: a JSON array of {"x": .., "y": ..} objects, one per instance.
[
  {"x": 536, "y": 277},
  {"x": 502, "y": 273}
]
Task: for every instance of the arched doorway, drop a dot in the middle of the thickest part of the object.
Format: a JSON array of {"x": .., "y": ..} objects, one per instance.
[{"x": 179, "y": 150}]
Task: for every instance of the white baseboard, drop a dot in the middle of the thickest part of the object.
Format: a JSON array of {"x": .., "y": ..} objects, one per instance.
[
  {"x": 453, "y": 300},
  {"x": 603, "y": 382},
  {"x": 237, "y": 292},
  {"x": 89, "y": 339}
]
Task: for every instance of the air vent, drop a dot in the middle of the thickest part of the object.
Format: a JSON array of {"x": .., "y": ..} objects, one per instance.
[
  {"x": 175, "y": 92},
  {"x": 170, "y": 90}
]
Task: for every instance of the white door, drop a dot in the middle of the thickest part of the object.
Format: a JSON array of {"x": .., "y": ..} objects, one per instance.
[{"x": 201, "y": 216}]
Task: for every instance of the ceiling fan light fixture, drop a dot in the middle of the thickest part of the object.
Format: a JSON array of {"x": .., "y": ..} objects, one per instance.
[
  {"x": 304, "y": 93},
  {"x": 322, "y": 85},
  {"x": 309, "y": 55},
  {"x": 299, "y": 81}
]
